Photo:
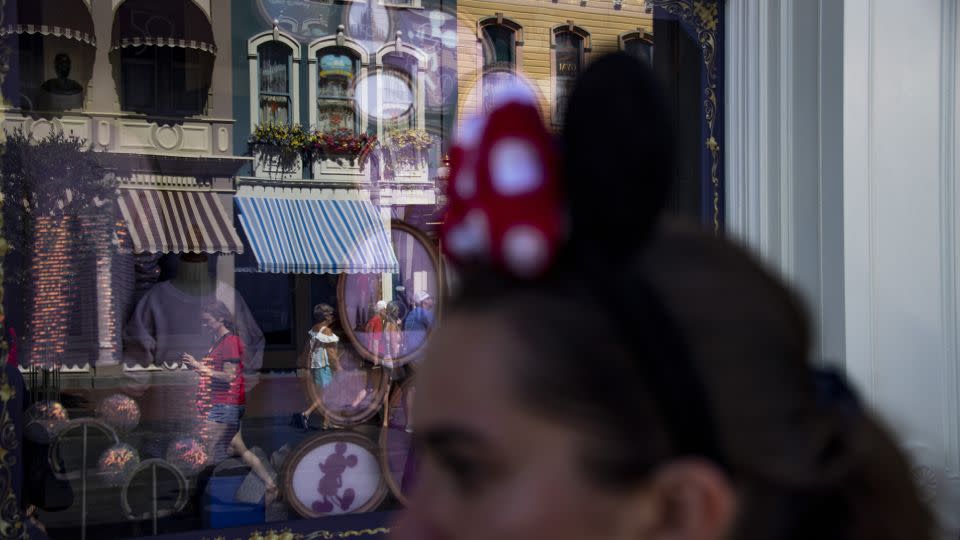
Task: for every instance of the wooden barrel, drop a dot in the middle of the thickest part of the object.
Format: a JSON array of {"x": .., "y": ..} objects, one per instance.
[{"x": 333, "y": 473}]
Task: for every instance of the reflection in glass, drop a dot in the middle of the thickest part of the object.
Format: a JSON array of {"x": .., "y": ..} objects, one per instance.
[
  {"x": 336, "y": 84},
  {"x": 274, "y": 65},
  {"x": 398, "y": 101},
  {"x": 569, "y": 60}
]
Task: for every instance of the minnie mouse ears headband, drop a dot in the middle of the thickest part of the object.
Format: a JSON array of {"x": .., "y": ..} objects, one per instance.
[
  {"x": 516, "y": 205},
  {"x": 505, "y": 204},
  {"x": 512, "y": 211}
]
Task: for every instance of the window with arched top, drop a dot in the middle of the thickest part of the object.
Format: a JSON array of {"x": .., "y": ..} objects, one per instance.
[
  {"x": 166, "y": 53},
  {"x": 498, "y": 39},
  {"x": 638, "y": 44},
  {"x": 274, "y": 63},
  {"x": 400, "y": 88},
  {"x": 274, "y": 59},
  {"x": 338, "y": 66},
  {"x": 570, "y": 45}
]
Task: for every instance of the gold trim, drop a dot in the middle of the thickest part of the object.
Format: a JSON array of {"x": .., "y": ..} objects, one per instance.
[
  {"x": 11, "y": 518},
  {"x": 287, "y": 534},
  {"x": 704, "y": 15}
]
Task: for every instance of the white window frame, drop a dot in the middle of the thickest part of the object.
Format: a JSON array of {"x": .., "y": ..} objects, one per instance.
[
  {"x": 398, "y": 46},
  {"x": 571, "y": 27},
  {"x": 253, "y": 60},
  {"x": 414, "y": 4},
  {"x": 338, "y": 41}
]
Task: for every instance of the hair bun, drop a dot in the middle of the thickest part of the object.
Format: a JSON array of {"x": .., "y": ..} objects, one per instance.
[{"x": 618, "y": 156}]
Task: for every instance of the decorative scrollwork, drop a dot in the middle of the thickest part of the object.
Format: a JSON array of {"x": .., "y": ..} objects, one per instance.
[
  {"x": 11, "y": 518},
  {"x": 704, "y": 17}
]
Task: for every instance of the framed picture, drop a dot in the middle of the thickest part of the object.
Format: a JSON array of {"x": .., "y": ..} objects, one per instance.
[
  {"x": 352, "y": 395},
  {"x": 389, "y": 317},
  {"x": 334, "y": 473}
]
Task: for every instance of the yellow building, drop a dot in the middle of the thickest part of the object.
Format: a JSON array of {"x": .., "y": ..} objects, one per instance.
[{"x": 547, "y": 42}]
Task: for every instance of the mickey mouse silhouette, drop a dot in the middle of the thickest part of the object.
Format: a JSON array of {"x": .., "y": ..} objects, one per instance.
[{"x": 331, "y": 482}]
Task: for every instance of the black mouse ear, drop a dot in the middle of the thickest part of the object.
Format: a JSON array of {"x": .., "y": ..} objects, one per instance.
[{"x": 618, "y": 152}]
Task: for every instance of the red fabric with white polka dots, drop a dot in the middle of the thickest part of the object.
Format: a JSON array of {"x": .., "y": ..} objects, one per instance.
[{"x": 505, "y": 204}]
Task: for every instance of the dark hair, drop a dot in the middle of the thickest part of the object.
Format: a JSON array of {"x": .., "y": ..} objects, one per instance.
[
  {"x": 680, "y": 324},
  {"x": 322, "y": 311},
  {"x": 218, "y": 310}
]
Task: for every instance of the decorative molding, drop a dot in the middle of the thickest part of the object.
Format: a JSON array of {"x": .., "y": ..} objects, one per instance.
[
  {"x": 223, "y": 139},
  {"x": 750, "y": 80},
  {"x": 859, "y": 196},
  {"x": 949, "y": 234},
  {"x": 787, "y": 173},
  {"x": 499, "y": 20},
  {"x": 702, "y": 17}
]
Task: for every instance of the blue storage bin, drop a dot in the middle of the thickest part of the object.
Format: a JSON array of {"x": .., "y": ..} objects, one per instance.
[{"x": 221, "y": 510}]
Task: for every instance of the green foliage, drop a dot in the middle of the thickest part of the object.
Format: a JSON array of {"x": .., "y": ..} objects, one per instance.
[{"x": 51, "y": 177}]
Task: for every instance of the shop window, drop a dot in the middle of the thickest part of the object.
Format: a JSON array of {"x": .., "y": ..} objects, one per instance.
[
  {"x": 274, "y": 63},
  {"x": 272, "y": 303},
  {"x": 337, "y": 72},
  {"x": 570, "y": 46},
  {"x": 638, "y": 44}
]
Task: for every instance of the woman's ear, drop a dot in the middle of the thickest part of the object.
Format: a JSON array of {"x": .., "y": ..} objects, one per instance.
[{"x": 685, "y": 500}]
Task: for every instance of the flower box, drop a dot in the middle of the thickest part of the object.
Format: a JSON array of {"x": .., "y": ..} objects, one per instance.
[
  {"x": 343, "y": 170},
  {"x": 270, "y": 165}
]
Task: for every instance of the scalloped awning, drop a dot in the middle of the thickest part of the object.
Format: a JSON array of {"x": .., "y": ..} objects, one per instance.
[
  {"x": 170, "y": 23},
  {"x": 68, "y": 19}
]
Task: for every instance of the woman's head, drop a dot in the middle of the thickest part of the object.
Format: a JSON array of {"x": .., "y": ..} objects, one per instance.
[
  {"x": 656, "y": 384},
  {"x": 323, "y": 313},
  {"x": 215, "y": 315},
  {"x": 393, "y": 310},
  {"x": 542, "y": 417}
]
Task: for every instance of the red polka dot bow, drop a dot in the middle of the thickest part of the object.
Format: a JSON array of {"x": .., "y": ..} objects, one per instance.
[{"x": 505, "y": 204}]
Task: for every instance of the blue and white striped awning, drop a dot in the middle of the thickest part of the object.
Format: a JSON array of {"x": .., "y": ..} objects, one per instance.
[{"x": 296, "y": 231}]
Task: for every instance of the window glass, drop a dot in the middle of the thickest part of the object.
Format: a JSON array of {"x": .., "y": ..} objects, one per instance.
[
  {"x": 640, "y": 49},
  {"x": 336, "y": 90},
  {"x": 399, "y": 98},
  {"x": 235, "y": 244},
  {"x": 569, "y": 60},
  {"x": 499, "y": 46},
  {"x": 163, "y": 81},
  {"x": 274, "y": 61}
]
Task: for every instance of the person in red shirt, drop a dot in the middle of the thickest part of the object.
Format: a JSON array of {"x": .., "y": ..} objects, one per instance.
[
  {"x": 376, "y": 340},
  {"x": 223, "y": 368}
]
